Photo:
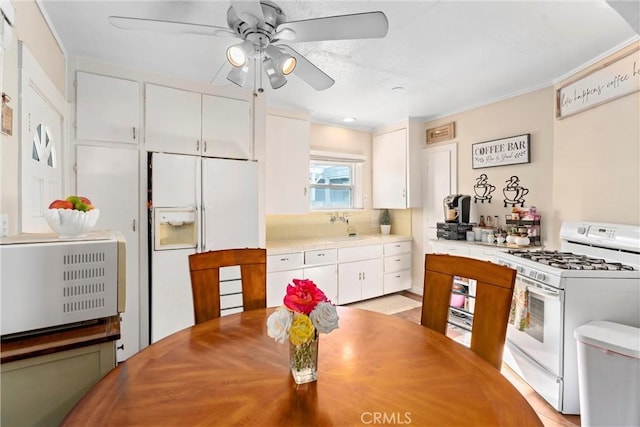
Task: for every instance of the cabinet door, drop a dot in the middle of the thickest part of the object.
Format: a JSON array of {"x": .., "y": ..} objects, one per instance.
[
  {"x": 287, "y": 165},
  {"x": 389, "y": 170},
  {"x": 349, "y": 282},
  {"x": 100, "y": 170},
  {"x": 107, "y": 108},
  {"x": 226, "y": 128},
  {"x": 172, "y": 120},
  {"x": 371, "y": 278},
  {"x": 326, "y": 278},
  {"x": 277, "y": 285}
]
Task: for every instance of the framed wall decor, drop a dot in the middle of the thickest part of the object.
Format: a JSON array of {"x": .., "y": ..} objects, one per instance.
[
  {"x": 501, "y": 152},
  {"x": 441, "y": 133},
  {"x": 612, "y": 80}
]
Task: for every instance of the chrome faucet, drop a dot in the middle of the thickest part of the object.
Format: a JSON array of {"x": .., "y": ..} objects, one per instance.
[{"x": 343, "y": 217}]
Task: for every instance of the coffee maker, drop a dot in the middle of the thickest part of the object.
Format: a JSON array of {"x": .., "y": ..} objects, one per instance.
[{"x": 457, "y": 208}]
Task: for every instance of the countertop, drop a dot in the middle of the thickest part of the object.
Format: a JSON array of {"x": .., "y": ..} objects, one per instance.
[
  {"x": 277, "y": 247},
  {"x": 477, "y": 243}
]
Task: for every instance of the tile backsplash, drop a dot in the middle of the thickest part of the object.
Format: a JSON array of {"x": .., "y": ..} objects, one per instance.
[{"x": 317, "y": 224}]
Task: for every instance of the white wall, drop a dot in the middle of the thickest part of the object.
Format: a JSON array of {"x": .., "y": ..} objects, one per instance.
[{"x": 31, "y": 28}]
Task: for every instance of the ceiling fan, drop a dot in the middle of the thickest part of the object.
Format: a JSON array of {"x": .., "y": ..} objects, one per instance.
[{"x": 262, "y": 26}]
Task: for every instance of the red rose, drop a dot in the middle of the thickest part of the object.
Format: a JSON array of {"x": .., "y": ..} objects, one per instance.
[{"x": 303, "y": 296}]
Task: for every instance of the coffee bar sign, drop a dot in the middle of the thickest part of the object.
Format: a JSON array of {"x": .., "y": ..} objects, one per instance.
[{"x": 501, "y": 152}]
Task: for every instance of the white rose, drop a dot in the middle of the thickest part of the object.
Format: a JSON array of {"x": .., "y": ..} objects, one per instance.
[
  {"x": 278, "y": 324},
  {"x": 324, "y": 317}
]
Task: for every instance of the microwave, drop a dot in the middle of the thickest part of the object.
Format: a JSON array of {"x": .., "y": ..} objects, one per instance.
[{"x": 49, "y": 282}]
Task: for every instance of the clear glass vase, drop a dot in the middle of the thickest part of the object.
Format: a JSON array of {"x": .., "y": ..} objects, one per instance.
[{"x": 304, "y": 361}]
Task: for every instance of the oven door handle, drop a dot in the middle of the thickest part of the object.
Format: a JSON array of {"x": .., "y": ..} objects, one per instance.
[{"x": 544, "y": 293}]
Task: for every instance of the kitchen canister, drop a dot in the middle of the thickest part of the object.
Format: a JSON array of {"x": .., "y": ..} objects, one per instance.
[
  {"x": 471, "y": 236},
  {"x": 477, "y": 231}
]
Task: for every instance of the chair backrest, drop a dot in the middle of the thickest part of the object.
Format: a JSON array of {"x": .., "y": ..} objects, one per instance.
[
  {"x": 491, "y": 306},
  {"x": 205, "y": 279}
]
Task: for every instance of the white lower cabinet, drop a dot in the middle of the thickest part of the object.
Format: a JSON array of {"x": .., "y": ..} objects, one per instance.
[
  {"x": 361, "y": 277},
  {"x": 326, "y": 278},
  {"x": 445, "y": 247},
  {"x": 345, "y": 275},
  {"x": 397, "y": 267},
  {"x": 349, "y": 280}
]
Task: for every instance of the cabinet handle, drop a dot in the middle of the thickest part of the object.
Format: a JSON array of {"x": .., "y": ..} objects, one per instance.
[
  {"x": 404, "y": 193},
  {"x": 284, "y": 259},
  {"x": 398, "y": 260},
  {"x": 363, "y": 275},
  {"x": 205, "y": 146},
  {"x": 134, "y": 132},
  {"x": 133, "y": 225},
  {"x": 305, "y": 191},
  {"x": 320, "y": 254},
  {"x": 197, "y": 145},
  {"x": 120, "y": 347}
]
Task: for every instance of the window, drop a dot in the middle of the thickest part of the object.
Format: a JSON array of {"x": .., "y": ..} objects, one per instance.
[{"x": 334, "y": 182}]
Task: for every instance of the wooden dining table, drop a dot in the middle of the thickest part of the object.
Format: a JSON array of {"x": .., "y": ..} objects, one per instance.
[{"x": 374, "y": 369}]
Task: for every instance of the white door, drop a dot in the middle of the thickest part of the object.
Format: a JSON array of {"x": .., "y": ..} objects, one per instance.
[
  {"x": 349, "y": 282},
  {"x": 389, "y": 170},
  {"x": 175, "y": 180},
  {"x": 106, "y": 108},
  {"x": 372, "y": 285},
  {"x": 440, "y": 180},
  {"x": 286, "y": 165},
  {"x": 229, "y": 204},
  {"x": 326, "y": 278},
  {"x": 171, "y": 297},
  {"x": 109, "y": 176},
  {"x": 42, "y": 118},
  {"x": 226, "y": 127},
  {"x": 172, "y": 120}
]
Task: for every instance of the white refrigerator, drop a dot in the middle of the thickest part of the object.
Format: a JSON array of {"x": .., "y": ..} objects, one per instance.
[{"x": 198, "y": 204}]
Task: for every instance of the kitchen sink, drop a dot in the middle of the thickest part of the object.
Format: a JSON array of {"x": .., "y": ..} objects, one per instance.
[{"x": 346, "y": 238}]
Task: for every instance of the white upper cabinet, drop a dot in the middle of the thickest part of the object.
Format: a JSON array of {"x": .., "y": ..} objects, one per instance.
[
  {"x": 172, "y": 120},
  {"x": 389, "y": 170},
  {"x": 287, "y": 165},
  {"x": 396, "y": 173},
  {"x": 184, "y": 122},
  {"x": 107, "y": 108},
  {"x": 226, "y": 127}
]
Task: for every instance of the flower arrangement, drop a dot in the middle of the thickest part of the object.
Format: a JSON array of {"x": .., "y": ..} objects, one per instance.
[{"x": 306, "y": 311}]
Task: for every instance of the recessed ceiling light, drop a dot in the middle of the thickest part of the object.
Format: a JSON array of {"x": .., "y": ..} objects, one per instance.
[{"x": 349, "y": 119}]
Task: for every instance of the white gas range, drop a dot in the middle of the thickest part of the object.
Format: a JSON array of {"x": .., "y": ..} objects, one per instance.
[{"x": 594, "y": 276}]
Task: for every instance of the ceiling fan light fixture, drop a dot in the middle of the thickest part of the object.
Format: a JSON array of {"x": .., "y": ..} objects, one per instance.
[
  {"x": 288, "y": 64},
  {"x": 238, "y": 53},
  {"x": 238, "y": 75},
  {"x": 276, "y": 79}
]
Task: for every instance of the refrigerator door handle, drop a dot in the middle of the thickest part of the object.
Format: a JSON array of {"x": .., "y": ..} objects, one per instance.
[{"x": 204, "y": 229}]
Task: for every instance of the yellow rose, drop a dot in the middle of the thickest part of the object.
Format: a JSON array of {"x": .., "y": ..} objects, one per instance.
[{"x": 302, "y": 329}]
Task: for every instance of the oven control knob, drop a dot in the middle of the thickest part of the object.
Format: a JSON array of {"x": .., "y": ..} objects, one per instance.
[
  {"x": 542, "y": 277},
  {"x": 520, "y": 269},
  {"x": 582, "y": 230}
]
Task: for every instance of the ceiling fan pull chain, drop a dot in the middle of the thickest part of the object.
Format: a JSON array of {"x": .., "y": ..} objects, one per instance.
[{"x": 259, "y": 69}]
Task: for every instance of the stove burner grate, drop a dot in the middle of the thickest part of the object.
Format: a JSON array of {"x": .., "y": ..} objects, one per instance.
[{"x": 569, "y": 260}]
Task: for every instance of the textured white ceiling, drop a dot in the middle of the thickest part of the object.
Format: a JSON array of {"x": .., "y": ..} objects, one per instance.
[{"x": 448, "y": 55}]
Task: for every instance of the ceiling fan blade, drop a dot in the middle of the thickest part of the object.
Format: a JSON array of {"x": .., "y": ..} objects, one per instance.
[
  {"x": 314, "y": 76},
  {"x": 143, "y": 24},
  {"x": 368, "y": 25},
  {"x": 246, "y": 9}
]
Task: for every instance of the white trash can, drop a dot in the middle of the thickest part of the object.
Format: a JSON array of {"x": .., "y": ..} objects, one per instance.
[{"x": 608, "y": 374}]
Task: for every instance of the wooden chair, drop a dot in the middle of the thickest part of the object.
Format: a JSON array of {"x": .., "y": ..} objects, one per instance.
[
  {"x": 494, "y": 290},
  {"x": 205, "y": 279}
]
